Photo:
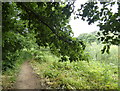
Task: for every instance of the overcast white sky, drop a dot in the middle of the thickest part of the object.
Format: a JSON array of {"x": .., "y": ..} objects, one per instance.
[{"x": 79, "y": 26}]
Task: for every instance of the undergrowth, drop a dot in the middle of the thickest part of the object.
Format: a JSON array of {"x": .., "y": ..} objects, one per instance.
[
  {"x": 9, "y": 76},
  {"x": 92, "y": 74},
  {"x": 77, "y": 75}
]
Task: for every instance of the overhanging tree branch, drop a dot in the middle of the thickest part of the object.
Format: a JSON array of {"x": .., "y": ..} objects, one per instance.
[{"x": 30, "y": 11}]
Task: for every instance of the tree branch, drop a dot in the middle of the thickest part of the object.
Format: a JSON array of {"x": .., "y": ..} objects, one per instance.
[{"x": 30, "y": 11}]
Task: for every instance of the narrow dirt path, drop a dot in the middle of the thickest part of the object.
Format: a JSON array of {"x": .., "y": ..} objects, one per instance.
[{"x": 27, "y": 79}]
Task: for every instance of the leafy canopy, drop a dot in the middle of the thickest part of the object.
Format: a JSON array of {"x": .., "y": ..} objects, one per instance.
[
  {"x": 108, "y": 21},
  {"x": 26, "y": 25},
  {"x": 47, "y": 24}
]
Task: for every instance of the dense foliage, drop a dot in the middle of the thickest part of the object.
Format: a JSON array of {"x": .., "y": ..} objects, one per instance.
[
  {"x": 44, "y": 24},
  {"x": 15, "y": 36},
  {"x": 40, "y": 31},
  {"x": 108, "y": 21},
  {"x": 100, "y": 74},
  {"x": 48, "y": 22}
]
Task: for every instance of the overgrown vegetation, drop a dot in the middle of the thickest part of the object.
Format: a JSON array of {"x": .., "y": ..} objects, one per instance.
[
  {"x": 77, "y": 75},
  {"x": 40, "y": 31},
  {"x": 10, "y": 75}
]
